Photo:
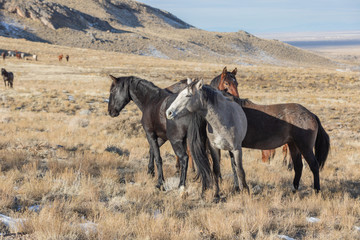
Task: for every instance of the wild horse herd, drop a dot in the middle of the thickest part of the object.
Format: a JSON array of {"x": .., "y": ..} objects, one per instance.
[{"x": 210, "y": 118}]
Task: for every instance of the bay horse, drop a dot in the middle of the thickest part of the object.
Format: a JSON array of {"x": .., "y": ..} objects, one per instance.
[
  {"x": 271, "y": 126},
  {"x": 226, "y": 81},
  {"x": 8, "y": 77},
  {"x": 153, "y": 101},
  {"x": 60, "y": 57},
  {"x": 226, "y": 124}
]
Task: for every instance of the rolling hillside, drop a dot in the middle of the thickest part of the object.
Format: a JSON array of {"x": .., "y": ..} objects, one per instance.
[{"x": 131, "y": 27}]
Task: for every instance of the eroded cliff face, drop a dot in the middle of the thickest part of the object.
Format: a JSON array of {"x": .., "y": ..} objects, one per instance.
[{"x": 54, "y": 15}]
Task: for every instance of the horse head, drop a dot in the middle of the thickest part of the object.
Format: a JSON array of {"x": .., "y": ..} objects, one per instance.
[
  {"x": 228, "y": 82},
  {"x": 188, "y": 98},
  {"x": 119, "y": 95}
]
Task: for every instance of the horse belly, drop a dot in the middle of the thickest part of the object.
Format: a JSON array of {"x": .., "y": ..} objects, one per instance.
[{"x": 220, "y": 142}]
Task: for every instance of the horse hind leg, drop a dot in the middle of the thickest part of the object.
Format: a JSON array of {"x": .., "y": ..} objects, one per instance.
[
  {"x": 233, "y": 166},
  {"x": 215, "y": 155},
  {"x": 240, "y": 169},
  {"x": 314, "y": 167},
  {"x": 298, "y": 165}
]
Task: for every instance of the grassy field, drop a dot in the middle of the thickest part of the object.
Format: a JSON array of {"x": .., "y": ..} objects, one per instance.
[{"x": 70, "y": 171}]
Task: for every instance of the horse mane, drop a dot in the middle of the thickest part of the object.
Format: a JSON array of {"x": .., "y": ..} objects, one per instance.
[
  {"x": 241, "y": 101},
  {"x": 209, "y": 93},
  {"x": 138, "y": 82}
]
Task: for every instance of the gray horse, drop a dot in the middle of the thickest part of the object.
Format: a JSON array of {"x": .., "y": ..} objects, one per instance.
[{"x": 226, "y": 126}]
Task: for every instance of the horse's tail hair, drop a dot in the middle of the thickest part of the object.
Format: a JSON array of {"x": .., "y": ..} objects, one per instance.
[
  {"x": 322, "y": 144},
  {"x": 196, "y": 138}
]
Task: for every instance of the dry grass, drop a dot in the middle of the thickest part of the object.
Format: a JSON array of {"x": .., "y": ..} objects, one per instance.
[{"x": 87, "y": 171}]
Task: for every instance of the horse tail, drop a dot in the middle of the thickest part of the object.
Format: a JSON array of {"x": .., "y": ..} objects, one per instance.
[
  {"x": 322, "y": 144},
  {"x": 196, "y": 138}
]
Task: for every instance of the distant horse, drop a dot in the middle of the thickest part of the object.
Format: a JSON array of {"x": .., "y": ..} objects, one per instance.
[
  {"x": 60, "y": 57},
  {"x": 268, "y": 155},
  {"x": 226, "y": 124},
  {"x": 225, "y": 81},
  {"x": 8, "y": 77},
  {"x": 18, "y": 55},
  {"x": 11, "y": 54},
  {"x": 22, "y": 55},
  {"x": 3, "y": 55},
  {"x": 153, "y": 101},
  {"x": 34, "y": 57},
  {"x": 67, "y": 58}
]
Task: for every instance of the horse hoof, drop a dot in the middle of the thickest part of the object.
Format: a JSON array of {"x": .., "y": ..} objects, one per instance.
[
  {"x": 216, "y": 199},
  {"x": 160, "y": 187},
  {"x": 151, "y": 172},
  {"x": 183, "y": 193}
]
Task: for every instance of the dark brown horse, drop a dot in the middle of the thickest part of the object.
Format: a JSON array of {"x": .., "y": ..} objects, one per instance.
[
  {"x": 3, "y": 55},
  {"x": 67, "y": 58},
  {"x": 8, "y": 77},
  {"x": 271, "y": 126}
]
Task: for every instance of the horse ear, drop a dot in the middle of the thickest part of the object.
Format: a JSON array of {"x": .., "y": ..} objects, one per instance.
[
  {"x": 189, "y": 81},
  {"x": 224, "y": 71},
  {"x": 114, "y": 79},
  {"x": 234, "y": 71},
  {"x": 199, "y": 84}
]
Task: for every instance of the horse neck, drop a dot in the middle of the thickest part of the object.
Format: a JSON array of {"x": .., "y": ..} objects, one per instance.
[
  {"x": 142, "y": 93},
  {"x": 214, "y": 113}
]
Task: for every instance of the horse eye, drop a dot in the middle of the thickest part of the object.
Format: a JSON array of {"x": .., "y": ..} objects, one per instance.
[{"x": 188, "y": 95}]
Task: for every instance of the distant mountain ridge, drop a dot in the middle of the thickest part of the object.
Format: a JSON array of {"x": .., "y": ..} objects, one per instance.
[{"x": 132, "y": 27}]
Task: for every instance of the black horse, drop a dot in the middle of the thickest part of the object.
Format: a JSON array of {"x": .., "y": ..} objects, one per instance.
[
  {"x": 8, "y": 77},
  {"x": 153, "y": 101}
]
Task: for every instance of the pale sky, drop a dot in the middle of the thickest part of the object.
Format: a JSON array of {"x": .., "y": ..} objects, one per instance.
[{"x": 265, "y": 16}]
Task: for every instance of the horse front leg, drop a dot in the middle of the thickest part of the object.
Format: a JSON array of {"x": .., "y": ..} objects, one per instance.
[
  {"x": 179, "y": 148},
  {"x": 154, "y": 146},
  {"x": 151, "y": 167}
]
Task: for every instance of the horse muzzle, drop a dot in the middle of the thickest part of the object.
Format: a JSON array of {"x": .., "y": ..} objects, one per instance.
[{"x": 170, "y": 114}]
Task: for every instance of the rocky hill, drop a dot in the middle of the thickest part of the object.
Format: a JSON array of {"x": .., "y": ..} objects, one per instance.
[{"x": 132, "y": 27}]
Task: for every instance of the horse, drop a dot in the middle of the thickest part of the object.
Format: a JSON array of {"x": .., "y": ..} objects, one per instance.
[
  {"x": 34, "y": 57},
  {"x": 271, "y": 126},
  {"x": 8, "y": 77},
  {"x": 226, "y": 124},
  {"x": 152, "y": 101},
  {"x": 67, "y": 58},
  {"x": 226, "y": 81},
  {"x": 60, "y": 57},
  {"x": 18, "y": 55},
  {"x": 3, "y": 55}
]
